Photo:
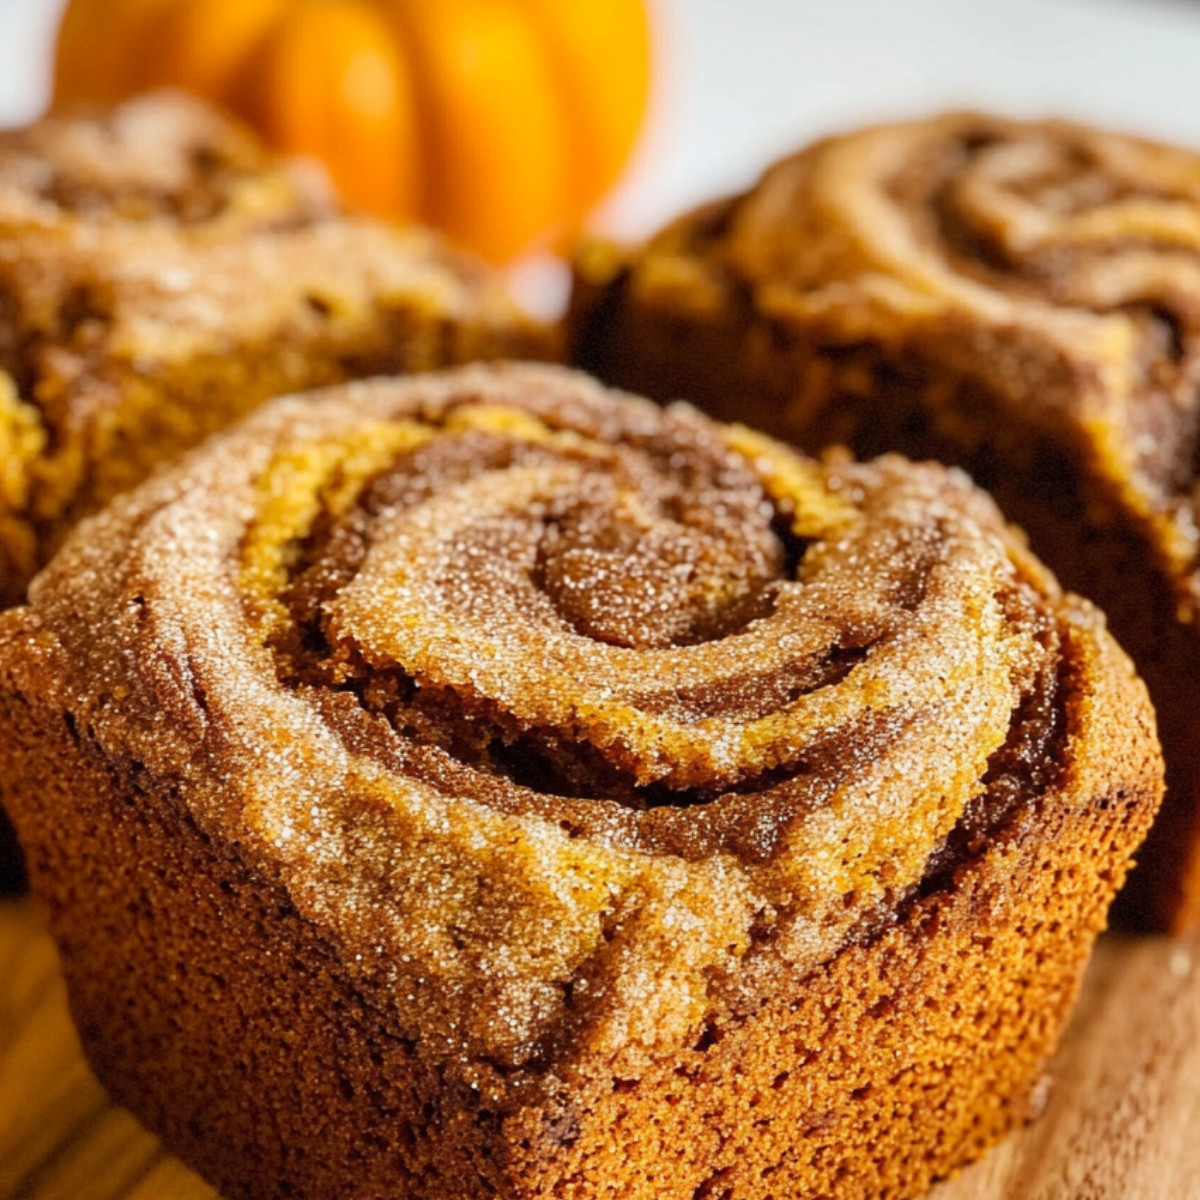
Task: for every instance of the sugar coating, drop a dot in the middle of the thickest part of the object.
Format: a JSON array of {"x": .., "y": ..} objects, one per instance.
[
  {"x": 1020, "y": 298},
  {"x": 529, "y": 854}
]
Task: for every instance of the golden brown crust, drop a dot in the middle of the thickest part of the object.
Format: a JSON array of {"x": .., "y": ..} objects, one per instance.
[
  {"x": 704, "y": 889},
  {"x": 162, "y": 274},
  {"x": 1019, "y": 298}
]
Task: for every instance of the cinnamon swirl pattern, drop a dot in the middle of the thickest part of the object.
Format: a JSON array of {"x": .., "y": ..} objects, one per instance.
[
  {"x": 522, "y": 784},
  {"x": 164, "y": 159},
  {"x": 1021, "y": 299}
]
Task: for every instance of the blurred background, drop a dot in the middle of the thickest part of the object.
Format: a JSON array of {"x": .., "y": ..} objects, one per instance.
[{"x": 734, "y": 85}]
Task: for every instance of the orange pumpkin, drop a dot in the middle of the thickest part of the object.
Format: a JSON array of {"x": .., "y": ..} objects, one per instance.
[{"x": 501, "y": 121}]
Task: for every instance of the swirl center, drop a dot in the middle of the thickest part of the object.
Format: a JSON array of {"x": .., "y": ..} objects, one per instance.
[{"x": 622, "y": 568}]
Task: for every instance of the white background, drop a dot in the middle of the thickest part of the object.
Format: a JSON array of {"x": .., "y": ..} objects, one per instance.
[{"x": 742, "y": 81}]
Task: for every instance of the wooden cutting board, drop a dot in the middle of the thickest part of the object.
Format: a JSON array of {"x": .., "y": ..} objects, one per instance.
[{"x": 1122, "y": 1121}]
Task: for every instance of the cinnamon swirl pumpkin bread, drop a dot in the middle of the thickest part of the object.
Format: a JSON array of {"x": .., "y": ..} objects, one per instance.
[
  {"x": 1021, "y": 299},
  {"x": 162, "y": 274},
  {"x": 484, "y": 785}
]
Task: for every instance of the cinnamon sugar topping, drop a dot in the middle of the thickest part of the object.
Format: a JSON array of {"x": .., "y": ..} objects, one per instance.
[{"x": 650, "y": 650}]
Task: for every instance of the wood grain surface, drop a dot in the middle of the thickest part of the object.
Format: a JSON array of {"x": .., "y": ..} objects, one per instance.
[{"x": 1122, "y": 1120}]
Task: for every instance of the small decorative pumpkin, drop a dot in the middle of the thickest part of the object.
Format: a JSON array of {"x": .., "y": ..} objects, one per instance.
[{"x": 501, "y": 121}]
